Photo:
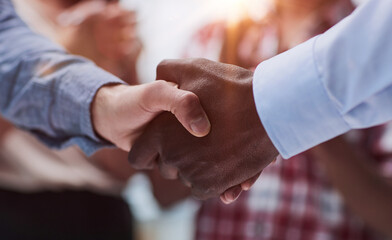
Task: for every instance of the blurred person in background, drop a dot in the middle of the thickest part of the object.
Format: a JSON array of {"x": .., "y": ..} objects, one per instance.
[
  {"x": 100, "y": 30},
  {"x": 294, "y": 199},
  {"x": 49, "y": 194}
]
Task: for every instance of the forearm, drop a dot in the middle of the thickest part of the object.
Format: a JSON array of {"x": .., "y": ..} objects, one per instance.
[{"x": 364, "y": 190}]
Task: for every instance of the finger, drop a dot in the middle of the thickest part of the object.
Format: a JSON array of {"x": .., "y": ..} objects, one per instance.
[
  {"x": 128, "y": 49},
  {"x": 201, "y": 194},
  {"x": 230, "y": 195},
  {"x": 166, "y": 70},
  {"x": 127, "y": 33},
  {"x": 167, "y": 171},
  {"x": 141, "y": 157},
  {"x": 184, "y": 180},
  {"x": 164, "y": 96},
  {"x": 249, "y": 183},
  {"x": 176, "y": 70},
  {"x": 179, "y": 70},
  {"x": 127, "y": 19},
  {"x": 113, "y": 9},
  {"x": 122, "y": 20}
]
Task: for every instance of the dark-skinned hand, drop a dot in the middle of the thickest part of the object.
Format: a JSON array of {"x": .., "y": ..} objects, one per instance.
[{"x": 237, "y": 148}]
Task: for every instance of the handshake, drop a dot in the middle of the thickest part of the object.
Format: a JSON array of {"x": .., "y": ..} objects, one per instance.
[{"x": 225, "y": 154}]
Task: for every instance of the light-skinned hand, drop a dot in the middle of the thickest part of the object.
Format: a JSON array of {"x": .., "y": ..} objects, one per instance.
[{"x": 121, "y": 112}]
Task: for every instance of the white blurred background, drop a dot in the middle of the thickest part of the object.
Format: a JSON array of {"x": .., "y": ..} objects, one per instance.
[{"x": 165, "y": 26}]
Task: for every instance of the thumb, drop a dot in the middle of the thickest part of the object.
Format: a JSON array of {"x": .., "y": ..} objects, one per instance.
[{"x": 185, "y": 105}]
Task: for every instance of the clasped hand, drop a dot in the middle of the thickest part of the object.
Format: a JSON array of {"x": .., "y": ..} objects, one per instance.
[{"x": 234, "y": 153}]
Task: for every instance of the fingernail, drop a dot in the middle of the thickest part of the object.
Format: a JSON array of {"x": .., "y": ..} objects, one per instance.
[
  {"x": 245, "y": 186},
  {"x": 232, "y": 195},
  {"x": 201, "y": 126},
  {"x": 223, "y": 199}
]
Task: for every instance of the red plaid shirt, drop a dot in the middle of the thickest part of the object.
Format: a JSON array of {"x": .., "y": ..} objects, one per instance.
[{"x": 293, "y": 199}]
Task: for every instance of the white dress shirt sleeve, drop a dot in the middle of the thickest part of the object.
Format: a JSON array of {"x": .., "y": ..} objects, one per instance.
[{"x": 335, "y": 82}]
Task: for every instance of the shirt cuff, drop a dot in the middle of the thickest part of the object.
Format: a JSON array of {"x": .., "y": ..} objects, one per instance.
[
  {"x": 294, "y": 106},
  {"x": 101, "y": 78},
  {"x": 72, "y": 115}
]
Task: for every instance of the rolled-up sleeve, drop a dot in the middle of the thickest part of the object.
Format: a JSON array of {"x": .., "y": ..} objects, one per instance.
[
  {"x": 45, "y": 90},
  {"x": 335, "y": 82}
]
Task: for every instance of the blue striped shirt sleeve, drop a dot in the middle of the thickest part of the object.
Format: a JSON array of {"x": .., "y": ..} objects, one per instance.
[{"x": 45, "y": 90}]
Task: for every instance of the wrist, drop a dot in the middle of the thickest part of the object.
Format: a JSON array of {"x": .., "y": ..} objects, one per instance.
[{"x": 103, "y": 108}]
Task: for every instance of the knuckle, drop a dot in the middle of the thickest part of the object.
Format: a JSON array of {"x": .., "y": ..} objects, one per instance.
[
  {"x": 148, "y": 92},
  {"x": 188, "y": 100},
  {"x": 162, "y": 67},
  {"x": 199, "y": 194},
  {"x": 204, "y": 190},
  {"x": 184, "y": 103},
  {"x": 142, "y": 162},
  {"x": 164, "y": 63},
  {"x": 158, "y": 85},
  {"x": 200, "y": 61},
  {"x": 138, "y": 165}
]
